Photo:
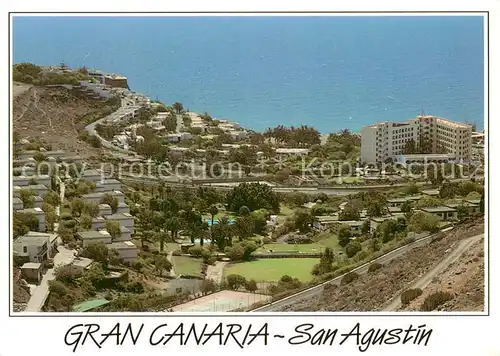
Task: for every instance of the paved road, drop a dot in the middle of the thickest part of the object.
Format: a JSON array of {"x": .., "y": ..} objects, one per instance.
[
  {"x": 37, "y": 300},
  {"x": 127, "y": 105},
  {"x": 427, "y": 278},
  {"x": 317, "y": 290}
]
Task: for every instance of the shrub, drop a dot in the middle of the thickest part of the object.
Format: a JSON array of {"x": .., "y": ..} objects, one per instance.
[
  {"x": 408, "y": 295},
  {"x": 375, "y": 266},
  {"x": 349, "y": 277},
  {"x": 251, "y": 286},
  {"x": 435, "y": 300},
  {"x": 235, "y": 281},
  {"x": 195, "y": 251},
  {"x": 352, "y": 248},
  {"x": 267, "y": 240}
]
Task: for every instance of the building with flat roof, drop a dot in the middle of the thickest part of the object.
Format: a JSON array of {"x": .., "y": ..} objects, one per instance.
[
  {"x": 387, "y": 140},
  {"x": 32, "y": 247},
  {"x": 90, "y": 237},
  {"x": 39, "y": 214},
  {"x": 17, "y": 204},
  {"x": 127, "y": 251},
  {"x": 442, "y": 212}
]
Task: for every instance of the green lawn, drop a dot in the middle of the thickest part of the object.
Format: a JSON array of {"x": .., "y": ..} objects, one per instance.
[
  {"x": 285, "y": 212},
  {"x": 292, "y": 247},
  {"x": 323, "y": 240},
  {"x": 272, "y": 269},
  {"x": 187, "y": 265},
  {"x": 350, "y": 180}
]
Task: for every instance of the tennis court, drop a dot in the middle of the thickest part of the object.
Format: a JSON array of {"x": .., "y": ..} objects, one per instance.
[{"x": 222, "y": 301}]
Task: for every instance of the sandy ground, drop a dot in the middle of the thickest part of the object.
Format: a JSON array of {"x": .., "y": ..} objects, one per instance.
[
  {"x": 464, "y": 278},
  {"x": 373, "y": 291},
  {"x": 52, "y": 114}
]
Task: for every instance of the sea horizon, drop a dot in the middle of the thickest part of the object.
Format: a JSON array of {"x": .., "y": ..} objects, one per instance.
[{"x": 327, "y": 72}]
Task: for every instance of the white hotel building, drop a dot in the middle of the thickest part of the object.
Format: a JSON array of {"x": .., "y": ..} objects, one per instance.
[{"x": 385, "y": 140}]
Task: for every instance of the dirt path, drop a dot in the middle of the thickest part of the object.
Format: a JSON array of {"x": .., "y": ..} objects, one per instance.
[
  {"x": 216, "y": 272},
  {"x": 35, "y": 104},
  {"x": 169, "y": 258},
  {"x": 426, "y": 279}
]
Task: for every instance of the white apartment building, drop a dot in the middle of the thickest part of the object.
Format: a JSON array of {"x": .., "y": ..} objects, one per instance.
[{"x": 386, "y": 140}]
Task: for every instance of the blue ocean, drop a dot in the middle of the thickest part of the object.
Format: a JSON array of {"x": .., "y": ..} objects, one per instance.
[{"x": 327, "y": 72}]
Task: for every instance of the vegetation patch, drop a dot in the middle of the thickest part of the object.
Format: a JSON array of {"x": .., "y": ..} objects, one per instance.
[{"x": 272, "y": 269}]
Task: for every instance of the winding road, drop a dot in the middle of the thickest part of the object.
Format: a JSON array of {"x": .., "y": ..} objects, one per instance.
[{"x": 427, "y": 278}]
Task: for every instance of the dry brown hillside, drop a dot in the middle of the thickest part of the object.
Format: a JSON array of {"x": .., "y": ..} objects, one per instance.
[
  {"x": 373, "y": 291},
  {"x": 54, "y": 115}
]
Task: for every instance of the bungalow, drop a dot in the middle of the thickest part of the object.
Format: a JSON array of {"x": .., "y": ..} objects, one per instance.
[
  {"x": 125, "y": 219},
  {"x": 442, "y": 212},
  {"x": 16, "y": 191},
  {"x": 17, "y": 204},
  {"x": 39, "y": 214},
  {"x": 325, "y": 221},
  {"x": 288, "y": 152},
  {"x": 125, "y": 234},
  {"x": 472, "y": 209},
  {"x": 32, "y": 248},
  {"x": 473, "y": 201},
  {"x": 32, "y": 271},
  {"x": 108, "y": 185},
  {"x": 118, "y": 195},
  {"x": 238, "y": 134},
  {"x": 90, "y": 237},
  {"x": 376, "y": 221},
  {"x": 98, "y": 223},
  {"x": 72, "y": 159},
  {"x": 431, "y": 192},
  {"x": 396, "y": 202},
  {"x": 354, "y": 225},
  {"x": 127, "y": 251},
  {"x": 123, "y": 208},
  {"x": 39, "y": 189},
  {"x": 104, "y": 210},
  {"x": 178, "y": 137},
  {"x": 24, "y": 170},
  {"x": 93, "y": 197},
  {"x": 38, "y": 201},
  {"x": 41, "y": 179},
  {"x": 82, "y": 263},
  {"x": 394, "y": 209},
  {"x": 21, "y": 181},
  {"x": 24, "y": 162},
  {"x": 92, "y": 175},
  {"x": 55, "y": 154}
]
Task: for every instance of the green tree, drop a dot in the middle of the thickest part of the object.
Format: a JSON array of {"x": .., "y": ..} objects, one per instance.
[
  {"x": 178, "y": 108},
  {"x": 235, "y": 281},
  {"x": 349, "y": 213},
  {"x": 352, "y": 248},
  {"x": 77, "y": 205},
  {"x": 113, "y": 228},
  {"x": 161, "y": 264},
  {"x": 52, "y": 198},
  {"x": 91, "y": 209},
  {"x": 244, "y": 227},
  {"x": 251, "y": 286},
  {"x": 344, "y": 233},
  {"x": 98, "y": 252},
  {"x": 86, "y": 222},
  {"x": 254, "y": 196},
  {"x": 304, "y": 220},
  {"x": 111, "y": 201},
  {"x": 422, "y": 221}
]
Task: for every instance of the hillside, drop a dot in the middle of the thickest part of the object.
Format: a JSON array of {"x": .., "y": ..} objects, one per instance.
[
  {"x": 372, "y": 291},
  {"x": 55, "y": 115}
]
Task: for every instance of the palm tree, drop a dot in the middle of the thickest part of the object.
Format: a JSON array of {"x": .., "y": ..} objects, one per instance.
[
  {"x": 173, "y": 225},
  {"x": 213, "y": 210},
  {"x": 225, "y": 228}
]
